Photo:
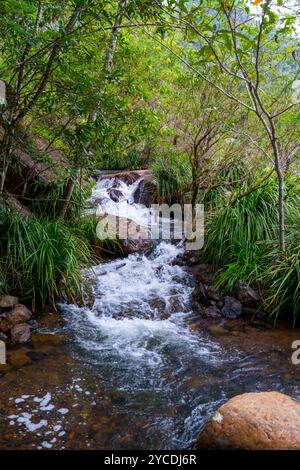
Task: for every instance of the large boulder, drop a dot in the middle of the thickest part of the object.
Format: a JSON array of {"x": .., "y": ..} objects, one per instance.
[
  {"x": 246, "y": 295},
  {"x": 232, "y": 308},
  {"x": 254, "y": 421}
]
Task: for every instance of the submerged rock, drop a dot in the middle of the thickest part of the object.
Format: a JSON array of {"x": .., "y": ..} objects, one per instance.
[
  {"x": 217, "y": 330},
  {"x": 254, "y": 421},
  {"x": 232, "y": 308}
]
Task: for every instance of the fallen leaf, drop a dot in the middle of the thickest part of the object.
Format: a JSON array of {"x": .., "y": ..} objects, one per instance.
[{"x": 257, "y": 2}]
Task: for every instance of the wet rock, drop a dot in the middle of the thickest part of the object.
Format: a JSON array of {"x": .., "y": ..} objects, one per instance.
[
  {"x": 8, "y": 301},
  {"x": 115, "y": 194},
  {"x": 33, "y": 324},
  {"x": 260, "y": 315},
  {"x": 137, "y": 246},
  {"x": 211, "y": 294},
  {"x": 18, "y": 358},
  {"x": 232, "y": 308},
  {"x": 193, "y": 261},
  {"x": 3, "y": 336},
  {"x": 36, "y": 355},
  {"x": 5, "y": 324},
  {"x": 202, "y": 273},
  {"x": 164, "y": 315},
  {"x": 254, "y": 421},
  {"x": 40, "y": 339},
  {"x": 128, "y": 178},
  {"x": 217, "y": 330},
  {"x": 212, "y": 312},
  {"x": 20, "y": 333},
  {"x": 189, "y": 258},
  {"x": 255, "y": 313},
  {"x": 19, "y": 314},
  {"x": 261, "y": 325},
  {"x": 199, "y": 293},
  {"x": 246, "y": 295},
  {"x": 196, "y": 382},
  {"x": 144, "y": 193}
]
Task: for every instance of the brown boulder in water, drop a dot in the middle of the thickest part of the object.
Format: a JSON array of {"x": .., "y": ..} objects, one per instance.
[
  {"x": 137, "y": 246},
  {"x": 254, "y": 421},
  {"x": 20, "y": 333}
]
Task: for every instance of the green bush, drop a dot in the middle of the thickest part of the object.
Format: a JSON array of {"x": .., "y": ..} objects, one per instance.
[
  {"x": 237, "y": 233},
  {"x": 282, "y": 277},
  {"x": 132, "y": 160},
  {"x": 50, "y": 204},
  {"x": 172, "y": 174},
  {"x": 242, "y": 244},
  {"x": 41, "y": 258}
]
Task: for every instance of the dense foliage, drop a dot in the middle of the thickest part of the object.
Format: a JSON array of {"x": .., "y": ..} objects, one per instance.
[{"x": 205, "y": 92}]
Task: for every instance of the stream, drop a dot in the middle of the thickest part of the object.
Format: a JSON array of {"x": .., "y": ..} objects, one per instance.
[{"x": 139, "y": 371}]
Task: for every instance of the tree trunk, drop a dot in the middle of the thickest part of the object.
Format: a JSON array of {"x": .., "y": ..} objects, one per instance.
[
  {"x": 5, "y": 157},
  {"x": 3, "y": 176},
  {"x": 113, "y": 40},
  {"x": 110, "y": 52},
  {"x": 281, "y": 185},
  {"x": 67, "y": 196}
]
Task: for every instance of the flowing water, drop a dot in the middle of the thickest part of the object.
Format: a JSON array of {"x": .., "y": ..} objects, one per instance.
[
  {"x": 138, "y": 368},
  {"x": 136, "y": 337}
]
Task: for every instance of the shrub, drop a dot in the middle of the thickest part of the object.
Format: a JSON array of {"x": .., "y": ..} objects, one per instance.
[
  {"x": 242, "y": 243},
  {"x": 172, "y": 174},
  {"x": 41, "y": 257}
]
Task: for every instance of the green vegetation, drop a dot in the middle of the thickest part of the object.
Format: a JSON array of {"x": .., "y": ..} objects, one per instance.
[
  {"x": 41, "y": 258},
  {"x": 205, "y": 93},
  {"x": 241, "y": 244}
]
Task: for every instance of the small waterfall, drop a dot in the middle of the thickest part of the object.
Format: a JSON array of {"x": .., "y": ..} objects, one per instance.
[{"x": 135, "y": 334}]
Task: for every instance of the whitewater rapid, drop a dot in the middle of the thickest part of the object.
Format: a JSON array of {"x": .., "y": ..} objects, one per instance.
[{"x": 136, "y": 331}]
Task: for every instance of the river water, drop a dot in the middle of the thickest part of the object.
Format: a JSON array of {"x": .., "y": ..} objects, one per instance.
[
  {"x": 137, "y": 368},
  {"x": 136, "y": 337}
]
